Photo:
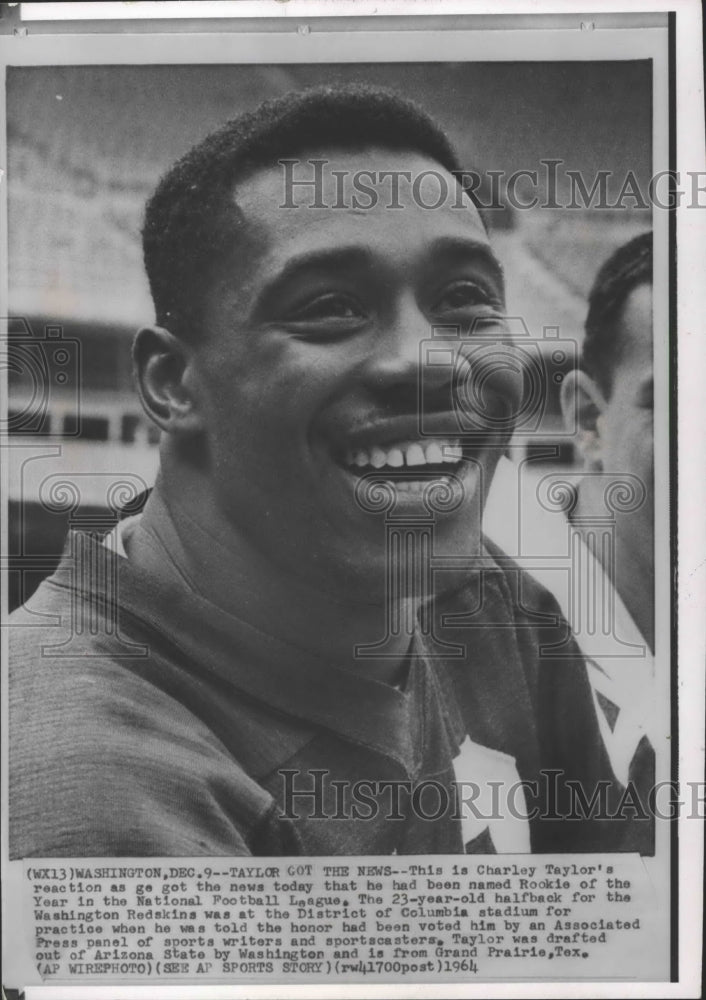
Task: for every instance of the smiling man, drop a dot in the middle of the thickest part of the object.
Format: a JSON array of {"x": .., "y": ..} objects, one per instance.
[{"x": 311, "y": 649}]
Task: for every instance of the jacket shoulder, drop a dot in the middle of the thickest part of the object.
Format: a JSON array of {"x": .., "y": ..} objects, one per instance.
[{"x": 105, "y": 763}]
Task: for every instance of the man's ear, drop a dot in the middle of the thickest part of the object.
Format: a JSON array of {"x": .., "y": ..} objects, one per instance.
[
  {"x": 165, "y": 376},
  {"x": 582, "y": 404}
]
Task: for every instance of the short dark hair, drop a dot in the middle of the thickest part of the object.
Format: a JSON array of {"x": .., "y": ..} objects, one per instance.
[
  {"x": 192, "y": 220},
  {"x": 628, "y": 267}
]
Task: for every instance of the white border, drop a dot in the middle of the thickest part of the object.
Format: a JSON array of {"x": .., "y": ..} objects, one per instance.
[
  {"x": 200, "y": 9},
  {"x": 691, "y": 255}
]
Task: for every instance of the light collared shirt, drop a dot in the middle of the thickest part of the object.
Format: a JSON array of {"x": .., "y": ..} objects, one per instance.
[{"x": 524, "y": 517}]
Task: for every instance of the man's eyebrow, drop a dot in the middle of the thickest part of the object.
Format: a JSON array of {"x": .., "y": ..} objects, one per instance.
[
  {"x": 326, "y": 259},
  {"x": 334, "y": 258},
  {"x": 330, "y": 260},
  {"x": 455, "y": 246}
]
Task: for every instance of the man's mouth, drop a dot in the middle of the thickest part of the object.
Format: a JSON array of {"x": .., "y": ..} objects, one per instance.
[{"x": 411, "y": 465}]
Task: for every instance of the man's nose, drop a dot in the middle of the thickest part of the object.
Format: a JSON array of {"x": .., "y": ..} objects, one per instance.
[{"x": 398, "y": 352}]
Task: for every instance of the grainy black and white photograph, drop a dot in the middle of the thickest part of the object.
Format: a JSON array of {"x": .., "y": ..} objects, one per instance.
[
  {"x": 337, "y": 465},
  {"x": 329, "y": 459}
]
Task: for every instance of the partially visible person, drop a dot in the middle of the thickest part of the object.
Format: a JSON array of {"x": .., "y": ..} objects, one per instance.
[
  {"x": 611, "y": 395},
  {"x": 608, "y": 598}
]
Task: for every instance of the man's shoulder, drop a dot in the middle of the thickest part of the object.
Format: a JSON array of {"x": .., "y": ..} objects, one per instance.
[
  {"x": 58, "y": 646},
  {"x": 103, "y": 760}
]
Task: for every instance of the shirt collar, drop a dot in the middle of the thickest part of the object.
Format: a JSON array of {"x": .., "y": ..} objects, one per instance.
[{"x": 171, "y": 618}]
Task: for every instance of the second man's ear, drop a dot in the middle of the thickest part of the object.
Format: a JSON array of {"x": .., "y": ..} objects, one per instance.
[
  {"x": 582, "y": 403},
  {"x": 166, "y": 379}
]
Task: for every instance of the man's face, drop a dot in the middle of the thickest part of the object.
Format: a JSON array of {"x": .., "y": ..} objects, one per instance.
[
  {"x": 310, "y": 362},
  {"x": 625, "y": 425}
]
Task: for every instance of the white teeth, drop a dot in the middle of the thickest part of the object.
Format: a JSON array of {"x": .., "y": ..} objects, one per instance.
[
  {"x": 409, "y": 453},
  {"x": 415, "y": 456}
]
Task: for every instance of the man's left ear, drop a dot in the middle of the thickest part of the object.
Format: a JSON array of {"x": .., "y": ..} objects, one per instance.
[
  {"x": 582, "y": 404},
  {"x": 167, "y": 380}
]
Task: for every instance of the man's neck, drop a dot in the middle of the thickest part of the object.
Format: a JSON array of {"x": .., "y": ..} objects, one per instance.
[{"x": 182, "y": 535}]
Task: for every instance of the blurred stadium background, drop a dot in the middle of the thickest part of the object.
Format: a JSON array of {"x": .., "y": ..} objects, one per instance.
[{"x": 86, "y": 145}]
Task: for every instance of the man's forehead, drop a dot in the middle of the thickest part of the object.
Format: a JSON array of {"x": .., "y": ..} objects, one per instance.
[
  {"x": 633, "y": 359},
  {"x": 298, "y": 191}
]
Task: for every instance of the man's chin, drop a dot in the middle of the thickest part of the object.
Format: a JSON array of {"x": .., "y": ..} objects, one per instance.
[{"x": 414, "y": 558}]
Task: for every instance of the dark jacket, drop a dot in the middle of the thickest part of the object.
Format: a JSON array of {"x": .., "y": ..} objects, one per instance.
[{"x": 146, "y": 721}]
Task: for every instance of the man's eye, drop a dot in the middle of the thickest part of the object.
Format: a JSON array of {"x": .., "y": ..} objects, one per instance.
[
  {"x": 332, "y": 306},
  {"x": 464, "y": 295}
]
